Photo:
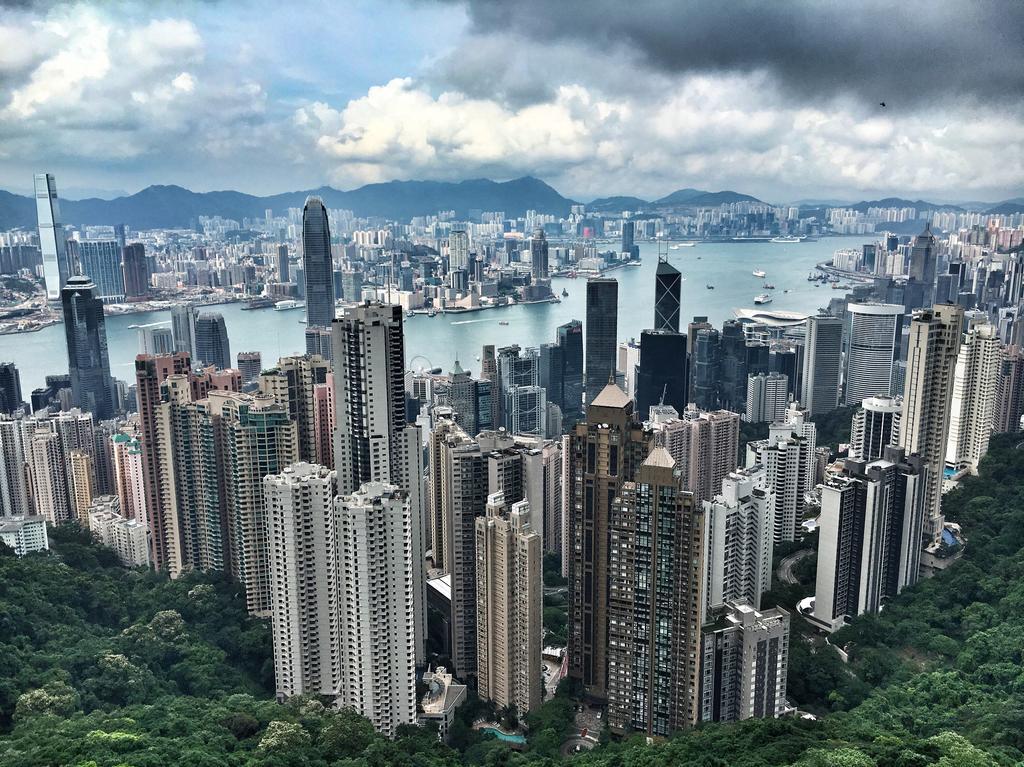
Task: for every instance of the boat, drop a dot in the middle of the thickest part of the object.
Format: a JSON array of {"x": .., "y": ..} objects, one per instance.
[
  {"x": 786, "y": 290},
  {"x": 287, "y": 305},
  {"x": 673, "y": 247},
  {"x": 759, "y": 273},
  {"x": 787, "y": 238},
  {"x": 503, "y": 322},
  {"x": 710, "y": 287},
  {"x": 762, "y": 298},
  {"x": 768, "y": 286},
  {"x": 432, "y": 313},
  {"x": 686, "y": 245},
  {"x": 837, "y": 286},
  {"x": 263, "y": 302},
  {"x": 564, "y": 292}
]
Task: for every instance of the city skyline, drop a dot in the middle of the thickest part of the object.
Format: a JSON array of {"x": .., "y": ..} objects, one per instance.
[{"x": 734, "y": 114}]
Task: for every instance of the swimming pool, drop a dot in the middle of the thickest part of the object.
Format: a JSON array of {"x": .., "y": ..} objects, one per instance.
[{"x": 519, "y": 740}]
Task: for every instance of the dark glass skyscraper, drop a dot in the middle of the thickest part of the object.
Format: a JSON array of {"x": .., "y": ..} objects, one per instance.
[
  {"x": 668, "y": 282},
  {"x": 316, "y": 264},
  {"x": 282, "y": 263},
  {"x": 212, "y": 346},
  {"x": 662, "y": 372},
  {"x": 88, "y": 363},
  {"x": 704, "y": 362},
  {"x": 10, "y": 388},
  {"x": 136, "y": 270},
  {"x": 602, "y": 325},
  {"x": 539, "y": 254}
]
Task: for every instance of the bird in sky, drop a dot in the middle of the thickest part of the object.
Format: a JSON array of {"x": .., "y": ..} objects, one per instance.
[{"x": 881, "y": 103}]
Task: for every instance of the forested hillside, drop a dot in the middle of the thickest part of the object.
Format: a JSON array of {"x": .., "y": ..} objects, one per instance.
[{"x": 99, "y": 666}]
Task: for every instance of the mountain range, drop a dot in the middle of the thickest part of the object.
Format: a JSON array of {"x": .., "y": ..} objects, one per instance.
[{"x": 166, "y": 207}]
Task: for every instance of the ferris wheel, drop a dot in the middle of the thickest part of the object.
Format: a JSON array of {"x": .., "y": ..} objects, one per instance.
[{"x": 419, "y": 368}]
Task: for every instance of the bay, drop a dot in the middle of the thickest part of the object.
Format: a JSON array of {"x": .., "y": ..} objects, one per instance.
[{"x": 437, "y": 341}]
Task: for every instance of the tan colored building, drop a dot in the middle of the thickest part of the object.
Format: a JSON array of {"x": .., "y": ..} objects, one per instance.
[
  {"x": 293, "y": 384},
  {"x": 81, "y": 480},
  {"x": 703, "y": 443},
  {"x": 509, "y": 606}
]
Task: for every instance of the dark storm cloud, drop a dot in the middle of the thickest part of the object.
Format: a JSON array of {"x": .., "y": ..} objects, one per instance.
[{"x": 899, "y": 52}]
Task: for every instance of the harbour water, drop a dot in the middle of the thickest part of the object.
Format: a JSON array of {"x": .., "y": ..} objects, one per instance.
[{"x": 437, "y": 341}]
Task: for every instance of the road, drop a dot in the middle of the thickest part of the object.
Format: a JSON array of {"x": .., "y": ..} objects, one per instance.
[{"x": 785, "y": 571}]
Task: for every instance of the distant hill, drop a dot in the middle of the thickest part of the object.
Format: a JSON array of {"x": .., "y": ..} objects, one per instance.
[
  {"x": 700, "y": 198},
  {"x": 173, "y": 206},
  {"x": 617, "y": 204},
  {"x": 1007, "y": 208},
  {"x": 899, "y": 202}
]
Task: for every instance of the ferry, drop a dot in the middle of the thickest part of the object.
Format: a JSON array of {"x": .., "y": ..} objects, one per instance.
[
  {"x": 687, "y": 245},
  {"x": 503, "y": 322},
  {"x": 759, "y": 273},
  {"x": 263, "y": 302},
  {"x": 762, "y": 298},
  {"x": 287, "y": 305},
  {"x": 787, "y": 238},
  {"x": 564, "y": 292},
  {"x": 768, "y": 286}
]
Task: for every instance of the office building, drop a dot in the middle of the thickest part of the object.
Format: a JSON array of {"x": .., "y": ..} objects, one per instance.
[
  {"x": 744, "y": 662},
  {"x": 52, "y": 240},
  {"x": 250, "y": 365},
  {"x": 629, "y": 248},
  {"x": 100, "y": 261},
  {"x": 739, "y": 540},
  {"x": 656, "y": 585},
  {"x": 767, "y": 397},
  {"x": 304, "y": 560},
  {"x": 470, "y": 400},
  {"x": 377, "y": 648},
  {"x": 627, "y": 361},
  {"x": 211, "y": 340},
  {"x": 156, "y": 340},
  {"x": 569, "y": 338},
  {"x": 10, "y": 389},
  {"x": 704, "y": 445},
  {"x": 282, "y": 263},
  {"x": 539, "y": 255},
  {"x": 135, "y": 269},
  {"x": 24, "y": 535},
  {"x": 668, "y": 283},
  {"x": 823, "y": 354},
  {"x": 604, "y": 451},
  {"x": 869, "y": 536},
  {"x": 932, "y": 350},
  {"x": 293, "y": 384},
  {"x": 662, "y": 376},
  {"x": 372, "y": 441},
  {"x": 789, "y": 461},
  {"x": 924, "y": 254},
  {"x": 872, "y": 351},
  {"x": 318, "y": 341},
  {"x": 600, "y": 339},
  {"x": 509, "y": 606},
  {"x": 85, "y": 331},
  {"x": 705, "y": 352},
  {"x": 489, "y": 372},
  {"x": 875, "y": 426},
  {"x": 975, "y": 396},
  {"x": 317, "y": 265},
  {"x": 127, "y": 537},
  {"x": 183, "y": 329}
]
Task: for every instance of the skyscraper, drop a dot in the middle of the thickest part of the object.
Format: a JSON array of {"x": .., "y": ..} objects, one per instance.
[
  {"x": 656, "y": 586},
  {"x": 876, "y": 425},
  {"x": 250, "y": 365},
  {"x": 605, "y": 451},
  {"x": 667, "y": 290},
  {"x": 1010, "y": 399},
  {"x": 628, "y": 239},
  {"x": 211, "y": 340},
  {"x": 823, "y": 354},
  {"x": 136, "y": 270},
  {"x": 704, "y": 445},
  {"x": 975, "y": 393},
  {"x": 924, "y": 254},
  {"x": 568, "y": 393},
  {"x": 183, "y": 328},
  {"x": 509, "y": 606},
  {"x": 101, "y": 261},
  {"x": 292, "y": 384},
  {"x": 872, "y": 351},
  {"x": 52, "y": 242},
  {"x": 317, "y": 264},
  {"x": 767, "y": 397},
  {"x": 933, "y": 346},
  {"x": 10, "y": 388},
  {"x": 705, "y": 354},
  {"x": 282, "y": 263},
  {"x": 539, "y": 255},
  {"x": 602, "y": 324},
  {"x": 662, "y": 376},
  {"x": 92, "y": 389}
]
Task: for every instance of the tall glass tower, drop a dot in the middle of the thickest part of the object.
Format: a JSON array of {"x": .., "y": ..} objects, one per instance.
[
  {"x": 211, "y": 340},
  {"x": 668, "y": 282},
  {"x": 88, "y": 363},
  {"x": 602, "y": 323},
  {"x": 56, "y": 269},
  {"x": 316, "y": 262}
]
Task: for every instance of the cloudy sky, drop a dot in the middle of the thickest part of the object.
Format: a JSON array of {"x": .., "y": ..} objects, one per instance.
[{"x": 602, "y": 97}]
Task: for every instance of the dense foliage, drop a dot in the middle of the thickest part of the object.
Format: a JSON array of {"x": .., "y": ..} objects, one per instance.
[{"x": 101, "y": 666}]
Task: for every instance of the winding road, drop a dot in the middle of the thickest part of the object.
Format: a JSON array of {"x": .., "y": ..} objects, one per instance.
[{"x": 785, "y": 571}]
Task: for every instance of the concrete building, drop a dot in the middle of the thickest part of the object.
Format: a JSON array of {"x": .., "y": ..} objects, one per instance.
[
  {"x": 655, "y": 592},
  {"x": 767, "y": 397},
  {"x": 875, "y": 425},
  {"x": 744, "y": 662},
  {"x": 1010, "y": 391},
  {"x": 24, "y": 535},
  {"x": 129, "y": 477},
  {"x": 823, "y": 354},
  {"x": 80, "y": 481},
  {"x": 788, "y": 459},
  {"x": 933, "y": 347},
  {"x": 869, "y": 539},
  {"x": 509, "y": 606},
  {"x": 704, "y": 444},
  {"x": 872, "y": 351},
  {"x": 14, "y": 482},
  {"x": 49, "y": 484},
  {"x": 303, "y": 580},
  {"x": 293, "y": 384},
  {"x": 127, "y": 537},
  {"x": 975, "y": 397},
  {"x": 250, "y": 365},
  {"x": 739, "y": 540},
  {"x": 439, "y": 702},
  {"x": 376, "y": 587}
]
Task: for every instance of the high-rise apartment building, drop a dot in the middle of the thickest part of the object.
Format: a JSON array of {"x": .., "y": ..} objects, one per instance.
[
  {"x": 739, "y": 540},
  {"x": 376, "y": 586},
  {"x": 458, "y": 249},
  {"x": 1010, "y": 391},
  {"x": 605, "y": 451},
  {"x": 48, "y": 477},
  {"x": 704, "y": 445},
  {"x": 975, "y": 397},
  {"x": 100, "y": 261},
  {"x": 932, "y": 350},
  {"x": 509, "y": 606},
  {"x": 293, "y": 384},
  {"x": 129, "y": 478},
  {"x": 85, "y": 331},
  {"x": 317, "y": 264},
  {"x": 52, "y": 240},
  {"x": 14, "y": 483},
  {"x": 655, "y": 590},
  {"x": 211, "y": 340},
  {"x": 875, "y": 426},
  {"x": 872, "y": 351},
  {"x": 600, "y": 339},
  {"x": 80, "y": 484},
  {"x": 823, "y": 355},
  {"x": 869, "y": 538},
  {"x": 250, "y": 365},
  {"x": 767, "y": 397},
  {"x": 745, "y": 659},
  {"x": 126, "y": 536}
]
